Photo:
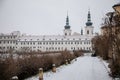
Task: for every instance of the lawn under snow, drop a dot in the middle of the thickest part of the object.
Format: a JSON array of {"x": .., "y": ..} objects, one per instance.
[{"x": 85, "y": 68}]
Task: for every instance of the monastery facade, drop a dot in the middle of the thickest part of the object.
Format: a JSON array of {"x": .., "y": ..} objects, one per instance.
[{"x": 78, "y": 41}]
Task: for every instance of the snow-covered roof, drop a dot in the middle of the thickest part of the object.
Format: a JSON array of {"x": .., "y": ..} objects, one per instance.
[
  {"x": 10, "y": 34},
  {"x": 53, "y": 37}
]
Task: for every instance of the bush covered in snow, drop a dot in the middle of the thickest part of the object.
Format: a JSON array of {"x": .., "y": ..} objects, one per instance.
[{"x": 25, "y": 65}]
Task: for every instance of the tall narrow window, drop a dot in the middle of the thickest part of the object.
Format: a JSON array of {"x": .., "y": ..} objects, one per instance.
[{"x": 87, "y": 31}]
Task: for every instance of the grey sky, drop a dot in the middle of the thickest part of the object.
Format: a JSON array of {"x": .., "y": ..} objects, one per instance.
[{"x": 43, "y": 17}]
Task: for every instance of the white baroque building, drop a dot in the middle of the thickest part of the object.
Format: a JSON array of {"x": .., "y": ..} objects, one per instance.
[{"x": 77, "y": 41}]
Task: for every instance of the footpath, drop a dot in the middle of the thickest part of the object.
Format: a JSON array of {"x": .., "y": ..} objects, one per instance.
[{"x": 85, "y": 68}]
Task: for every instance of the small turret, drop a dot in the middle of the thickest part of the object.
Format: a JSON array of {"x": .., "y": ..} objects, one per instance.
[{"x": 81, "y": 31}]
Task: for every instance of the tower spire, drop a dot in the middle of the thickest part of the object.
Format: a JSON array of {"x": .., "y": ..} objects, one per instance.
[
  {"x": 67, "y": 26},
  {"x": 67, "y": 30},
  {"x": 89, "y": 23},
  {"x": 67, "y": 20}
]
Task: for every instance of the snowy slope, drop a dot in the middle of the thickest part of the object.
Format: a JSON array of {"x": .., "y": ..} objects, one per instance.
[{"x": 85, "y": 68}]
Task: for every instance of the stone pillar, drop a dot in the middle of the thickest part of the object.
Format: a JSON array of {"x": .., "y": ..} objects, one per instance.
[
  {"x": 53, "y": 68},
  {"x": 41, "y": 74},
  {"x": 75, "y": 59},
  {"x": 66, "y": 62},
  {"x": 69, "y": 61}
]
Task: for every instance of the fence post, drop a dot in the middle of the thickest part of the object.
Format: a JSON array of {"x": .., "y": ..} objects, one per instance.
[
  {"x": 53, "y": 68},
  {"x": 40, "y": 73}
]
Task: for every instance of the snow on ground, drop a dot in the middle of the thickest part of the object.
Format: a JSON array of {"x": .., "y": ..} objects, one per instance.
[{"x": 85, "y": 68}]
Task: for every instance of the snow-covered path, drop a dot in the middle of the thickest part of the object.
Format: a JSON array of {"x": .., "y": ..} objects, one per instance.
[{"x": 85, "y": 68}]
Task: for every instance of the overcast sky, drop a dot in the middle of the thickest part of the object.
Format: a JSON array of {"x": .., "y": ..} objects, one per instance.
[{"x": 47, "y": 17}]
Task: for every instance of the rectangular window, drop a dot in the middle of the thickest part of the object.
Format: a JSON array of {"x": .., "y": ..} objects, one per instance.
[
  {"x": 84, "y": 42},
  {"x": 68, "y": 42},
  {"x": 33, "y": 43},
  {"x": 14, "y": 42},
  {"x": 75, "y": 42},
  {"x": 65, "y": 42},
  {"x": 58, "y": 42},
  {"x": 80, "y": 42},
  {"x": 52, "y": 42},
  {"x": 28, "y": 43},
  {"x": 55, "y": 42},
  {"x": 40, "y": 43},
  {"x": 43, "y": 43}
]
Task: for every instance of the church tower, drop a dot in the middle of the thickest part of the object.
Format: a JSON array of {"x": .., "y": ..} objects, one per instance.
[
  {"x": 89, "y": 28},
  {"x": 67, "y": 30}
]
